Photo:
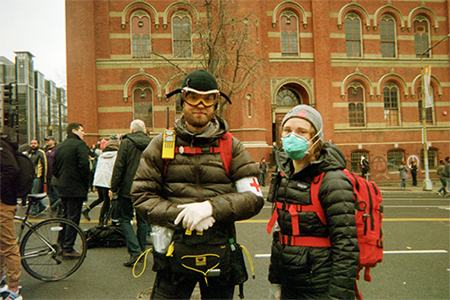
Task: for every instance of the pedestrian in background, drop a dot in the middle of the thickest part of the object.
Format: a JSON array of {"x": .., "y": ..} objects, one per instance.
[
  {"x": 39, "y": 160},
  {"x": 440, "y": 172},
  {"x": 71, "y": 168},
  {"x": 93, "y": 156},
  {"x": 263, "y": 169},
  {"x": 403, "y": 172},
  {"x": 364, "y": 167},
  {"x": 9, "y": 249},
  {"x": 125, "y": 167},
  {"x": 413, "y": 169},
  {"x": 102, "y": 181},
  {"x": 52, "y": 192},
  {"x": 447, "y": 173},
  {"x": 298, "y": 266}
]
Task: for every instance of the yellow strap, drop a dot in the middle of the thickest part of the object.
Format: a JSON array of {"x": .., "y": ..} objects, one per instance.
[
  {"x": 200, "y": 271},
  {"x": 145, "y": 262},
  {"x": 249, "y": 260}
]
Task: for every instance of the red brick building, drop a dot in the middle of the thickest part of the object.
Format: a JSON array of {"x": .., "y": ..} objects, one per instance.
[{"x": 357, "y": 62}]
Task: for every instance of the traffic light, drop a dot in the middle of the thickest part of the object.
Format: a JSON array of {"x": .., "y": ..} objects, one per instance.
[{"x": 7, "y": 93}]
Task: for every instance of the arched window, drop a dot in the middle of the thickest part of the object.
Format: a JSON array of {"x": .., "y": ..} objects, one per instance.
[
  {"x": 289, "y": 34},
  {"x": 288, "y": 97},
  {"x": 140, "y": 34},
  {"x": 355, "y": 95},
  {"x": 353, "y": 35},
  {"x": 421, "y": 36},
  {"x": 391, "y": 111},
  {"x": 387, "y": 36},
  {"x": 429, "y": 110},
  {"x": 356, "y": 160},
  {"x": 395, "y": 159},
  {"x": 143, "y": 104},
  {"x": 182, "y": 35}
]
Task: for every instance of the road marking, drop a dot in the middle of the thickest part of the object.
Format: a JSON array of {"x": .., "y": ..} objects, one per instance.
[
  {"x": 386, "y": 252},
  {"x": 417, "y": 206},
  {"x": 414, "y": 251},
  {"x": 384, "y": 220}
]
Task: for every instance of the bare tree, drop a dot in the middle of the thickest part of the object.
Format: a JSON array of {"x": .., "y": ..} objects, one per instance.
[{"x": 228, "y": 45}]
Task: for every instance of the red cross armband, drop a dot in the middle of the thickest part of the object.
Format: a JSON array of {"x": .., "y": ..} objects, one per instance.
[{"x": 249, "y": 184}]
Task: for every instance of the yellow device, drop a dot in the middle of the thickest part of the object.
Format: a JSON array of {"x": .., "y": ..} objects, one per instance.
[{"x": 168, "y": 148}]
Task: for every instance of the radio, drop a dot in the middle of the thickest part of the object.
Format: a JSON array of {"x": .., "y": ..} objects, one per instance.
[{"x": 168, "y": 148}]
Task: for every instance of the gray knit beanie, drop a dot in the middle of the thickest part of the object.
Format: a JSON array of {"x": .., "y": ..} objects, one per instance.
[{"x": 308, "y": 113}]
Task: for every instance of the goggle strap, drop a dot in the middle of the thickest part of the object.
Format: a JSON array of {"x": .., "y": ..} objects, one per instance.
[
  {"x": 173, "y": 93},
  {"x": 226, "y": 97}
]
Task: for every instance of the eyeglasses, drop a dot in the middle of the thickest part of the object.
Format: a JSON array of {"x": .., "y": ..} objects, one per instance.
[{"x": 194, "y": 97}]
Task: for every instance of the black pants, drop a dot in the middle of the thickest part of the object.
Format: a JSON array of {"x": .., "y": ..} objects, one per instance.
[
  {"x": 71, "y": 211},
  {"x": 181, "y": 287},
  {"x": 102, "y": 197}
]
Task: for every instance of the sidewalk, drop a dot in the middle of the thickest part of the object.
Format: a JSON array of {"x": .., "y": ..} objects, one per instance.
[{"x": 391, "y": 186}]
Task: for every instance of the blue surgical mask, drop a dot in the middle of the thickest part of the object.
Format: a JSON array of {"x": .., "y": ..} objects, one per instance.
[{"x": 295, "y": 146}]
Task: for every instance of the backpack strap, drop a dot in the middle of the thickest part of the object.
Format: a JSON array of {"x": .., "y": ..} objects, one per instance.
[
  {"x": 224, "y": 149},
  {"x": 225, "y": 145},
  {"x": 293, "y": 209}
]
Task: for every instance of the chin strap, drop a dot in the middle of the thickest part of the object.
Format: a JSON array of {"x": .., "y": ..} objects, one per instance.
[{"x": 180, "y": 91}]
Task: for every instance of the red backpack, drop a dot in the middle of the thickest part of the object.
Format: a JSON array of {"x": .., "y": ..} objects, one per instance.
[{"x": 369, "y": 214}]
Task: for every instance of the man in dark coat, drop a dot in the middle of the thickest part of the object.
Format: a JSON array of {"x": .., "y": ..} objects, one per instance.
[
  {"x": 125, "y": 167},
  {"x": 71, "y": 168}
]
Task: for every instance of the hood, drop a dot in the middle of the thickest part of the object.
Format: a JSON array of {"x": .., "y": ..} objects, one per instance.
[
  {"x": 108, "y": 154},
  {"x": 331, "y": 158},
  {"x": 140, "y": 139},
  {"x": 217, "y": 128}
]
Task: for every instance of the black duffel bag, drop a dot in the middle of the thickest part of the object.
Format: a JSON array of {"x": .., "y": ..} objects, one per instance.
[{"x": 109, "y": 236}]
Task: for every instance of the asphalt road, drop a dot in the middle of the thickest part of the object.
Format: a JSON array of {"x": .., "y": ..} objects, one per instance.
[{"x": 415, "y": 265}]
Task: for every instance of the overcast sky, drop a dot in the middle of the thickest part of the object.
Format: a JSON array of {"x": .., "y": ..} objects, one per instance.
[{"x": 36, "y": 26}]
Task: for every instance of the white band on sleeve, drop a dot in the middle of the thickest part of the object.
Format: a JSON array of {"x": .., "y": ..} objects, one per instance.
[{"x": 249, "y": 184}]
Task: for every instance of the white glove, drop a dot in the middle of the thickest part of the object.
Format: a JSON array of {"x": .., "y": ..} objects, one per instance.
[
  {"x": 193, "y": 213},
  {"x": 205, "y": 224}
]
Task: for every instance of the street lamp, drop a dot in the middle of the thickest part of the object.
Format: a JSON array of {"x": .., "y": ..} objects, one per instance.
[{"x": 427, "y": 185}]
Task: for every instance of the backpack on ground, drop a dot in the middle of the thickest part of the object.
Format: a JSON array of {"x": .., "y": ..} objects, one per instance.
[
  {"x": 23, "y": 182},
  {"x": 109, "y": 236},
  {"x": 369, "y": 214}
]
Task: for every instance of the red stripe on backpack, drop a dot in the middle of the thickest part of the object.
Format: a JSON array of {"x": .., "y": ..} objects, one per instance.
[{"x": 369, "y": 215}]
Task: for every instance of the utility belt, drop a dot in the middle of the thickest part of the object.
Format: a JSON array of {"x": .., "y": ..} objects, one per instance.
[{"x": 203, "y": 260}]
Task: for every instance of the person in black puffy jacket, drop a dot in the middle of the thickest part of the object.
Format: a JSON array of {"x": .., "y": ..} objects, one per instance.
[{"x": 310, "y": 259}]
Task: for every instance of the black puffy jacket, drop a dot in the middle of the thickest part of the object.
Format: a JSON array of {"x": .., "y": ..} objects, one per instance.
[
  {"x": 325, "y": 272},
  {"x": 127, "y": 162}
]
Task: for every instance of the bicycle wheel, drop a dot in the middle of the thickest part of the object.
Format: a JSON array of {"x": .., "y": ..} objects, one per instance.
[{"x": 41, "y": 250}]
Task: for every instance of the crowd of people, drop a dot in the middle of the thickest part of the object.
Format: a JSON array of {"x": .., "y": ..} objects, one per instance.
[{"x": 195, "y": 192}]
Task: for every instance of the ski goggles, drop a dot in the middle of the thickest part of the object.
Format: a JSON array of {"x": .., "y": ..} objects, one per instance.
[{"x": 195, "y": 97}]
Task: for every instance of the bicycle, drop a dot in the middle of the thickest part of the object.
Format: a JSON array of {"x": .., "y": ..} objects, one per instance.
[{"x": 40, "y": 249}]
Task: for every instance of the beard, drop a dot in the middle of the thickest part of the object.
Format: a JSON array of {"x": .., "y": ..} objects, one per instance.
[{"x": 198, "y": 119}]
